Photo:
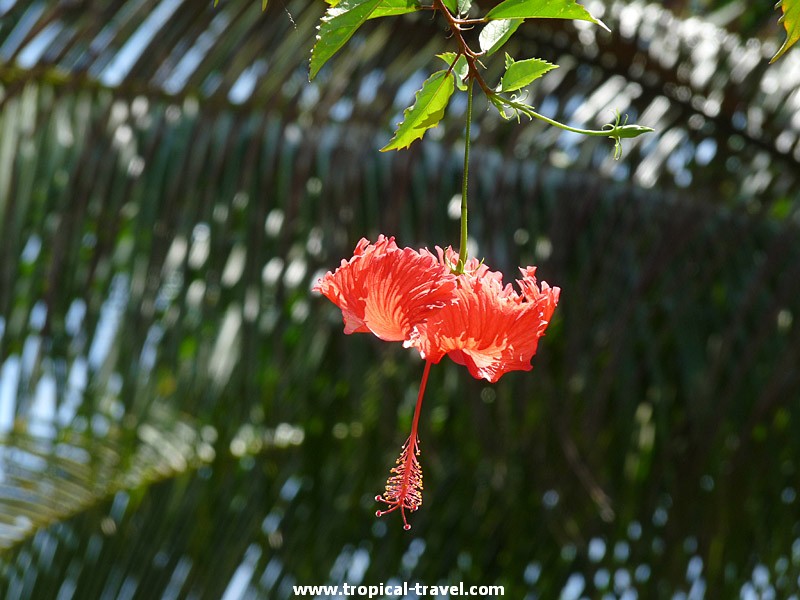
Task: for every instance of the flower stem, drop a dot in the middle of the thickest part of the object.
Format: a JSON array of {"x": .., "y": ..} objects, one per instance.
[
  {"x": 420, "y": 395},
  {"x": 462, "y": 253}
]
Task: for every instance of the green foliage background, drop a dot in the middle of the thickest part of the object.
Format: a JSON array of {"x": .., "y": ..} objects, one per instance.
[{"x": 181, "y": 418}]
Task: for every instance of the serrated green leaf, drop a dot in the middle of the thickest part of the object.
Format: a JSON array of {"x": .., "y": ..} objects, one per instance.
[
  {"x": 338, "y": 25},
  {"x": 394, "y": 8},
  {"x": 542, "y": 9},
  {"x": 463, "y": 6},
  {"x": 428, "y": 110},
  {"x": 523, "y": 72},
  {"x": 496, "y": 33},
  {"x": 460, "y": 68},
  {"x": 791, "y": 22}
]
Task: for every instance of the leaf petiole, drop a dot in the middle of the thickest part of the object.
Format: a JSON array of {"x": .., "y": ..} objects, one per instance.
[{"x": 614, "y": 131}]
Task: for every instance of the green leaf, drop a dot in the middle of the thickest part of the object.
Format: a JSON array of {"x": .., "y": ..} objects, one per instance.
[
  {"x": 542, "y": 9},
  {"x": 389, "y": 8},
  {"x": 394, "y": 8},
  {"x": 497, "y": 33},
  {"x": 451, "y": 5},
  {"x": 791, "y": 21},
  {"x": 338, "y": 25},
  {"x": 428, "y": 110},
  {"x": 521, "y": 73},
  {"x": 464, "y": 6},
  {"x": 264, "y": 3},
  {"x": 460, "y": 68}
]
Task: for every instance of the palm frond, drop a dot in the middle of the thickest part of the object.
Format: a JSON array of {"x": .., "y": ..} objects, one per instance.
[
  {"x": 49, "y": 478},
  {"x": 170, "y": 186}
]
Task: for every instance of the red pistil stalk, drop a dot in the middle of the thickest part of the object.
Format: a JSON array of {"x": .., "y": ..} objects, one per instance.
[{"x": 404, "y": 487}]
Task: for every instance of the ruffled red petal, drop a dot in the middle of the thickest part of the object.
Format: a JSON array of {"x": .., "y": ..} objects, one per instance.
[
  {"x": 489, "y": 328},
  {"x": 387, "y": 290}
]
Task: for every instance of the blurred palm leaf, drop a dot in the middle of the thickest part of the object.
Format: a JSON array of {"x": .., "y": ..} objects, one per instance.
[
  {"x": 48, "y": 479},
  {"x": 170, "y": 185}
]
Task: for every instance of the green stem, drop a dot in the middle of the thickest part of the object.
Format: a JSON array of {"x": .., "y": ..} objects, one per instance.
[
  {"x": 462, "y": 253},
  {"x": 613, "y": 130}
]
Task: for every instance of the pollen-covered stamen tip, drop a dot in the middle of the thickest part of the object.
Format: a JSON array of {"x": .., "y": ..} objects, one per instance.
[{"x": 404, "y": 486}]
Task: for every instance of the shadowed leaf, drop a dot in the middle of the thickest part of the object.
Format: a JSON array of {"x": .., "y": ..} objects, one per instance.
[
  {"x": 460, "y": 68},
  {"x": 496, "y": 33}
]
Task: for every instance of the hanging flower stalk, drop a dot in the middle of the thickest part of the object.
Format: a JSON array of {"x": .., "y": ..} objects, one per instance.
[{"x": 448, "y": 304}]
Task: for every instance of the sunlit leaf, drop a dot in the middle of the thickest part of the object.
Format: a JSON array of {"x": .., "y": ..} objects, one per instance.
[
  {"x": 264, "y": 3},
  {"x": 791, "y": 21},
  {"x": 427, "y": 111},
  {"x": 542, "y": 9},
  {"x": 338, "y": 25},
  {"x": 464, "y": 6},
  {"x": 496, "y": 33},
  {"x": 521, "y": 73},
  {"x": 460, "y": 68},
  {"x": 393, "y": 8},
  {"x": 452, "y": 5},
  {"x": 388, "y": 8}
]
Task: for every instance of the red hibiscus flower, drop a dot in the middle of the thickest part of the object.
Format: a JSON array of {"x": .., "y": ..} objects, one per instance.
[
  {"x": 401, "y": 294},
  {"x": 491, "y": 329},
  {"x": 387, "y": 290}
]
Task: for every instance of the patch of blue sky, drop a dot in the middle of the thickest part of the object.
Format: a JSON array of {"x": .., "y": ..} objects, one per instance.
[
  {"x": 189, "y": 62},
  {"x": 116, "y": 71},
  {"x": 18, "y": 35},
  {"x": 30, "y": 54},
  {"x": 244, "y": 86}
]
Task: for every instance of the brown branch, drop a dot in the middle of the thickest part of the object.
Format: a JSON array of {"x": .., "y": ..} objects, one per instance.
[{"x": 455, "y": 26}]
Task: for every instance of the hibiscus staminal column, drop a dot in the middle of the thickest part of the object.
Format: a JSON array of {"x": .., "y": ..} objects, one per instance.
[{"x": 404, "y": 486}]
